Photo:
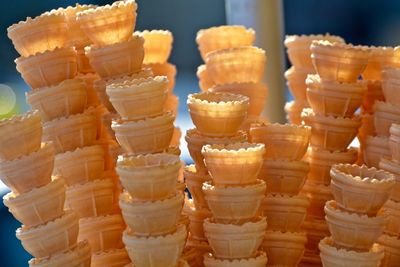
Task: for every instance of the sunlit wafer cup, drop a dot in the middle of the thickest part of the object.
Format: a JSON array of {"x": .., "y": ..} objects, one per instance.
[
  {"x": 197, "y": 216},
  {"x": 91, "y": 199},
  {"x": 367, "y": 127},
  {"x": 39, "y": 205},
  {"x": 20, "y": 135},
  {"x": 334, "y": 98},
  {"x": 360, "y": 189},
  {"x": 151, "y": 218},
  {"x": 176, "y": 137},
  {"x": 236, "y": 65},
  {"x": 123, "y": 58},
  {"x": 256, "y": 92},
  {"x": 391, "y": 247},
  {"x": 390, "y": 85},
  {"x": 298, "y": 48},
  {"x": 77, "y": 256},
  {"x": 381, "y": 58},
  {"x": 293, "y": 111},
  {"x": 351, "y": 230},
  {"x": 99, "y": 111},
  {"x": 82, "y": 62},
  {"x": 389, "y": 165},
  {"x": 391, "y": 209},
  {"x": 331, "y": 133},
  {"x": 54, "y": 236},
  {"x": 102, "y": 232},
  {"x": 48, "y": 68},
  {"x": 222, "y": 37},
  {"x": 338, "y": 61},
  {"x": 69, "y": 133},
  {"x": 315, "y": 230},
  {"x": 181, "y": 263},
  {"x": 231, "y": 241},
  {"x": 234, "y": 204},
  {"x": 284, "y": 141},
  {"x": 157, "y": 45},
  {"x": 259, "y": 260},
  {"x": 194, "y": 180},
  {"x": 172, "y": 104},
  {"x": 285, "y": 213},
  {"x": 67, "y": 98},
  {"x": 197, "y": 249},
  {"x": 91, "y": 94},
  {"x": 149, "y": 177},
  {"x": 106, "y": 120},
  {"x": 284, "y": 248},
  {"x": 217, "y": 114},
  {"x": 157, "y": 251},
  {"x": 195, "y": 141},
  {"x": 374, "y": 148},
  {"x": 37, "y": 35},
  {"x": 111, "y": 258},
  {"x": 296, "y": 82},
  {"x": 385, "y": 114},
  {"x": 33, "y": 170},
  {"x": 394, "y": 142},
  {"x": 205, "y": 81},
  {"x": 164, "y": 69},
  {"x": 149, "y": 135},
  {"x": 109, "y": 24},
  {"x": 374, "y": 93},
  {"x": 111, "y": 150},
  {"x": 234, "y": 164},
  {"x": 139, "y": 98},
  {"x": 250, "y": 120},
  {"x": 284, "y": 176},
  {"x": 318, "y": 194},
  {"x": 339, "y": 257}
]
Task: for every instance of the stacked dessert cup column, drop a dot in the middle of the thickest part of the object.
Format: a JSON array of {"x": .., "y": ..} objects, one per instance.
[{"x": 334, "y": 94}]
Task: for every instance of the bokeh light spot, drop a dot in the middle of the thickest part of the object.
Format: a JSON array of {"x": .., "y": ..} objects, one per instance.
[{"x": 7, "y": 99}]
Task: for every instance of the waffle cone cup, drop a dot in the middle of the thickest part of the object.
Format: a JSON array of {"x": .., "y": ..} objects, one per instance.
[
  {"x": 391, "y": 209},
  {"x": 82, "y": 62},
  {"x": 391, "y": 247},
  {"x": 28, "y": 172},
  {"x": 236, "y": 65},
  {"x": 334, "y": 98},
  {"x": 217, "y": 114},
  {"x": 374, "y": 93},
  {"x": 20, "y": 135},
  {"x": 389, "y": 86},
  {"x": 109, "y": 24},
  {"x": 205, "y": 81},
  {"x": 139, "y": 98},
  {"x": 157, "y": 46},
  {"x": 337, "y": 257},
  {"x": 360, "y": 189},
  {"x": 284, "y": 141},
  {"x": 283, "y": 176},
  {"x": 295, "y": 78},
  {"x": 318, "y": 194},
  {"x": 285, "y": 213},
  {"x": 157, "y": 251},
  {"x": 259, "y": 260},
  {"x": 385, "y": 114},
  {"x": 195, "y": 142},
  {"x": 172, "y": 104},
  {"x": 374, "y": 148},
  {"x": 316, "y": 230},
  {"x": 81, "y": 165},
  {"x": 176, "y": 137},
  {"x": 196, "y": 222},
  {"x": 123, "y": 58},
  {"x": 194, "y": 180},
  {"x": 222, "y": 37},
  {"x": 91, "y": 199},
  {"x": 42, "y": 33},
  {"x": 353, "y": 231},
  {"x": 111, "y": 258},
  {"x": 233, "y": 164},
  {"x": 102, "y": 232},
  {"x": 150, "y": 135},
  {"x": 234, "y": 204},
  {"x": 367, "y": 127},
  {"x": 164, "y": 69},
  {"x": 331, "y": 133},
  {"x": 381, "y": 58},
  {"x": 54, "y": 236},
  {"x": 339, "y": 62},
  {"x": 394, "y": 142},
  {"x": 293, "y": 111},
  {"x": 230, "y": 241},
  {"x": 394, "y": 168},
  {"x": 151, "y": 218},
  {"x": 284, "y": 248},
  {"x": 149, "y": 177}
]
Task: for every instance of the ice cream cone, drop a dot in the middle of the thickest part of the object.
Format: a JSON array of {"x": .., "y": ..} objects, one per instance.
[
  {"x": 296, "y": 78},
  {"x": 394, "y": 168},
  {"x": 259, "y": 260},
  {"x": 391, "y": 210},
  {"x": 164, "y": 69},
  {"x": 194, "y": 180},
  {"x": 293, "y": 111},
  {"x": 205, "y": 81},
  {"x": 374, "y": 148},
  {"x": 389, "y": 86},
  {"x": 391, "y": 247},
  {"x": 316, "y": 230},
  {"x": 196, "y": 222},
  {"x": 91, "y": 95},
  {"x": 374, "y": 93},
  {"x": 157, "y": 45},
  {"x": 318, "y": 194},
  {"x": 381, "y": 58},
  {"x": 111, "y": 258},
  {"x": 385, "y": 114}
]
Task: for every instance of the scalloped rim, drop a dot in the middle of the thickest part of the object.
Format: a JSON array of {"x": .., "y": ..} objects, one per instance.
[
  {"x": 300, "y": 236},
  {"x": 298, "y": 198},
  {"x": 43, "y": 16},
  {"x": 121, "y": 86},
  {"x": 342, "y": 169},
  {"x": 69, "y": 118},
  {"x": 94, "y": 50},
  {"x": 114, "y": 251},
  {"x": 310, "y": 37},
  {"x": 127, "y": 158},
  {"x": 128, "y": 233},
  {"x": 45, "y": 148},
  {"x": 349, "y": 47},
  {"x": 377, "y": 141},
  {"x": 79, "y": 151},
  {"x": 230, "y": 99},
  {"x": 90, "y": 184},
  {"x": 229, "y": 227},
  {"x": 194, "y": 133},
  {"x": 117, "y": 5},
  {"x": 286, "y": 128},
  {"x": 232, "y": 50},
  {"x": 166, "y": 116},
  {"x": 67, "y": 86},
  {"x": 383, "y": 106},
  {"x": 331, "y": 207},
  {"x": 309, "y": 113},
  {"x": 127, "y": 199},
  {"x": 70, "y": 51},
  {"x": 234, "y": 148},
  {"x": 212, "y": 30},
  {"x": 316, "y": 79},
  {"x": 22, "y": 118},
  {"x": 376, "y": 249},
  {"x": 260, "y": 256},
  {"x": 258, "y": 185},
  {"x": 114, "y": 218}
]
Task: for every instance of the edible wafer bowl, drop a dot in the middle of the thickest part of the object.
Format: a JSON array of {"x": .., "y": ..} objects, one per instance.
[
  {"x": 205, "y": 81},
  {"x": 391, "y": 209},
  {"x": 158, "y": 251},
  {"x": 391, "y": 247},
  {"x": 54, "y": 236},
  {"x": 374, "y": 93},
  {"x": 316, "y": 230},
  {"x": 194, "y": 180},
  {"x": 351, "y": 230},
  {"x": 240, "y": 64},
  {"x": 360, "y": 189},
  {"x": 157, "y": 45},
  {"x": 259, "y": 260},
  {"x": 390, "y": 82},
  {"x": 109, "y": 24},
  {"x": 164, "y": 69},
  {"x": 385, "y": 114},
  {"x": 67, "y": 98},
  {"x": 48, "y": 68},
  {"x": 20, "y": 135},
  {"x": 39, "y": 205},
  {"x": 295, "y": 80},
  {"x": 394, "y": 142},
  {"x": 217, "y": 114},
  {"x": 234, "y": 204},
  {"x": 111, "y": 258},
  {"x": 42, "y": 33},
  {"x": 393, "y": 167},
  {"x": 196, "y": 218},
  {"x": 318, "y": 194},
  {"x": 25, "y": 173},
  {"x": 233, "y": 164},
  {"x": 374, "y": 148},
  {"x": 381, "y": 58},
  {"x": 293, "y": 111}
]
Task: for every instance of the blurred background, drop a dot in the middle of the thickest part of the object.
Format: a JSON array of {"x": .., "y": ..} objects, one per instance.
[{"x": 360, "y": 22}]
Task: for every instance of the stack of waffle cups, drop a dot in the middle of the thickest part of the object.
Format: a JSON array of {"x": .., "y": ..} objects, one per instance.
[
  {"x": 284, "y": 171},
  {"x": 355, "y": 220},
  {"x": 334, "y": 94},
  {"x": 233, "y": 65},
  {"x": 299, "y": 53}
]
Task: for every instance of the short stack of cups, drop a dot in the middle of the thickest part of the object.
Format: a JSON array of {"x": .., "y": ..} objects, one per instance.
[
  {"x": 284, "y": 172},
  {"x": 354, "y": 217},
  {"x": 299, "y": 53},
  {"x": 232, "y": 45},
  {"x": 49, "y": 233}
]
